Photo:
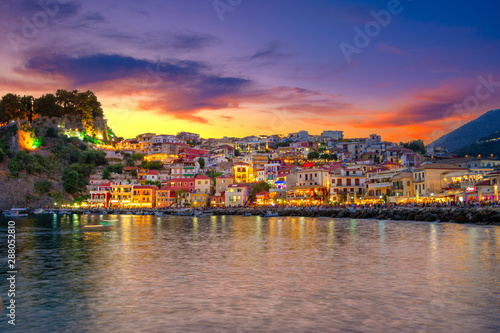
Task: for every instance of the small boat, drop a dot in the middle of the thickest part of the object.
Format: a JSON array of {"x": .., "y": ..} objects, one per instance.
[
  {"x": 247, "y": 214},
  {"x": 39, "y": 211},
  {"x": 270, "y": 214},
  {"x": 140, "y": 212},
  {"x": 160, "y": 214},
  {"x": 128, "y": 212},
  {"x": 107, "y": 222},
  {"x": 64, "y": 212},
  {"x": 97, "y": 227},
  {"x": 16, "y": 212},
  {"x": 200, "y": 213}
]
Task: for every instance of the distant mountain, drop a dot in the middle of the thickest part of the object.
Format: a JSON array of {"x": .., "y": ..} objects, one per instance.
[
  {"x": 471, "y": 132},
  {"x": 488, "y": 146}
]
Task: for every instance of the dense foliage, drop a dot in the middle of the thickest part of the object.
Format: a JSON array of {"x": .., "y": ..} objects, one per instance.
[
  {"x": 201, "y": 161},
  {"x": 68, "y": 154},
  {"x": 73, "y": 103},
  {"x": 417, "y": 146},
  {"x": 109, "y": 169},
  {"x": 31, "y": 163},
  {"x": 153, "y": 165},
  {"x": 262, "y": 186}
]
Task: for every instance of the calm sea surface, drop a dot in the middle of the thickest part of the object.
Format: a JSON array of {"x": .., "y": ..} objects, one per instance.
[{"x": 252, "y": 274}]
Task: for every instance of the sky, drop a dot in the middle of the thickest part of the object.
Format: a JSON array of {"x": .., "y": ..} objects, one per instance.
[{"x": 402, "y": 69}]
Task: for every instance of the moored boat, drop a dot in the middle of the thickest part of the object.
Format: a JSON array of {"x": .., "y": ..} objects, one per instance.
[
  {"x": 97, "y": 227},
  {"x": 16, "y": 212},
  {"x": 270, "y": 214}
]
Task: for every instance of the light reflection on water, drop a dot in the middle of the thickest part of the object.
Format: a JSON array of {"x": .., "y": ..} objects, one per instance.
[{"x": 247, "y": 274}]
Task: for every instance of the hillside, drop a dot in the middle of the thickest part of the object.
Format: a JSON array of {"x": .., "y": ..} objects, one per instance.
[
  {"x": 471, "y": 132},
  {"x": 47, "y": 148},
  {"x": 488, "y": 146}
]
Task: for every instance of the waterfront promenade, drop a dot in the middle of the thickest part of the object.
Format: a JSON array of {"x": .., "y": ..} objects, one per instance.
[{"x": 485, "y": 214}]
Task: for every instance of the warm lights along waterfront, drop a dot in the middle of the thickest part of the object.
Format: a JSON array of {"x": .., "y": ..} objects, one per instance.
[{"x": 249, "y": 166}]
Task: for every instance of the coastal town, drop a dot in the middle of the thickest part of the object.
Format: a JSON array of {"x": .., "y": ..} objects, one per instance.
[{"x": 296, "y": 170}]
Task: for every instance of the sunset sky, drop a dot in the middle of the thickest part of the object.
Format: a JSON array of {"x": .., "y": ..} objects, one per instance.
[{"x": 236, "y": 68}]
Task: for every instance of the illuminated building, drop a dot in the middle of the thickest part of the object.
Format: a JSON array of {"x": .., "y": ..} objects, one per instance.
[
  {"x": 236, "y": 195},
  {"x": 144, "y": 196},
  {"x": 222, "y": 182},
  {"x": 165, "y": 198},
  {"x": 200, "y": 200},
  {"x": 241, "y": 172},
  {"x": 100, "y": 198}
]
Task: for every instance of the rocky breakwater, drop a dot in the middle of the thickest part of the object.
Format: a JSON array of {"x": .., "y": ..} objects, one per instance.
[{"x": 481, "y": 215}]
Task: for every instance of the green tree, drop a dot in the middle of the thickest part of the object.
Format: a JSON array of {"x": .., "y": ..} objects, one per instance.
[
  {"x": 26, "y": 104},
  {"x": 179, "y": 194},
  {"x": 417, "y": 146},
  {"x": 51, "y": 133},
  {"x": 201, "y": 161},
  {"x": 313, "y": 155},
  {"x": 71, "y": 182},
  {"x": 43, "y": 186},
  {"x": 153, "y": 165},
  {"x": 262, "y": 186},
  {"x": 10, "y": 107},
  {"x": 47, "y": 105}
]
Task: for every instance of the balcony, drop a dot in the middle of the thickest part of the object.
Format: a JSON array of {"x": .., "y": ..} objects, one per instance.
[{"x": 379, "y": 185}]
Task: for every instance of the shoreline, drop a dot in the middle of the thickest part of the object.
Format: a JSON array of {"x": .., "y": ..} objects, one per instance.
[{"x": 457, "y": 214}]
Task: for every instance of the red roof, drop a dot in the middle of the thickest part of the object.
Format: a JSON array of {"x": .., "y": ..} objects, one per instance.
[
  {"x": 202, "y": 177},
  {"x": 262, "y": 193},
  {"x": 153, "y": 172}
]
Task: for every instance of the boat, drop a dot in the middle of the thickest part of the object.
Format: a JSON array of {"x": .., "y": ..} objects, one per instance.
[
  {"x": 183, "y": 212},
  {"x": 128, "y": 212},
  {"x": 39, "y": 211},
  {"x": 140, "y": 212},
  {"x": 200, "y": 213},
  {"x": 247, "y": 214},
  {"x": 97, "y": 227},
  {"x": 160, "y": 214},
  {"x": 16, "y": 212},
  {"x": 64, "y": 212},
  {"x": 107, "y": 222},
  {"x": 270, "y": 214}
]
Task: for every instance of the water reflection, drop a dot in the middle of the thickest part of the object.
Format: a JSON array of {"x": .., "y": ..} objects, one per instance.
[{"x": 279, "y": 274}]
